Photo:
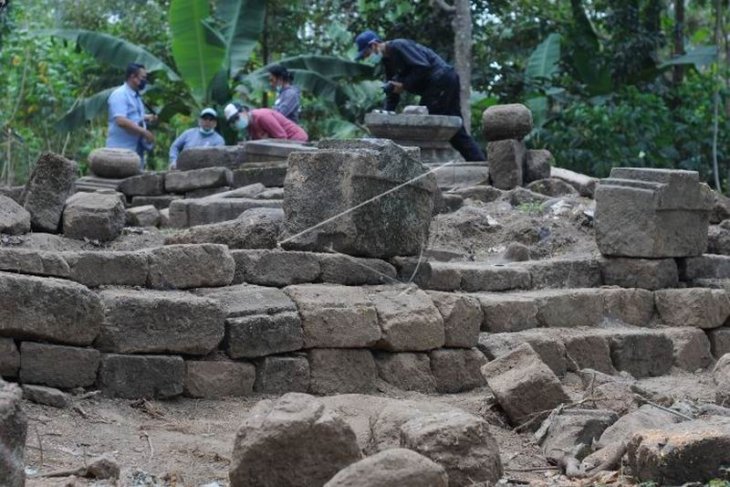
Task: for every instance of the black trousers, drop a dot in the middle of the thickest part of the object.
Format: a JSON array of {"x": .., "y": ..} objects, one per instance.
[{"x": 442, "y": 98}]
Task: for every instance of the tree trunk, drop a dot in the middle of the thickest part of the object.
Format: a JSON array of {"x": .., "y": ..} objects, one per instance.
[
  {"x": 462, "y": 55},
  {"x": 678, "y": 71}
]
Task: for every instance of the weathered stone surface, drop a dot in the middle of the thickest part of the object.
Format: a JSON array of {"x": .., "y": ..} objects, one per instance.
[
  {"x": 57, "y": 365},
  {"x": 190, "y": 266},
  {"x": 698, "y": 307},
  {"x": 214, "y": 209},
  {"x": 479, "y": 192},
  {"x": 642, "y": 353},
  {"x": 216, "y": 379},
  {"x": 440, "y": 277},
  {"x": 523, "y": 384},
  {"x": 649, "y": 274},
  {"x": 721, "y": 374},
  {"x": 704, "y": 267},
  {"x": 718, "y": 240},
  {"x": 408, "y": 319},
  {"x": 276, "y": 267},
  {"x": 98, "y": 268},
  {"x": 719, "y": 341},
  {"x": 114, "y": 163},
  {"x": 537, "y": 165},
  {"x": 354, "y": 271},
  {"x": 245, "y": 300},
  {"x": 184, "y": 181},
  {"x": 646, "y": 417},
  {"x": 13, "y": 428},
  {"x": 485, "y": 277},
  {"x": 335, "y": 316},
  {"x": 573, "y": 427},
  {"x": 9, "y": 358},
  {"x": 270, "y": 174},
  {"x": 48, "y": 309},
  {"x": 260, "y": 335},
  {"x": 546, "y": 344},
  {"x": 720, "y": 207},
  {"x": 47, "y": 396},
  {"x": 141, "y": 376},
  {"x": 651, "y": 213},
  {"x": 585, "y": 185},
  {"x": 142, "y": 216},
  {"x": 295, "y": 431},
  {"x": 397, "y": 467},
  {"x": 512, "y": 121},
  {"x": 461, "y": 443},
  {"x": 147, "y": 184},
  {"x": 506, "y": 158},
  {"x": 322, "y": 184},
  {"x": 631, "y": 306},
  {"x": 589, "y": 351},
  {"x": 504, "y": 312},
  {"x": 693, "y": 451},
  {"x": 31, "y": 261},
  {"x": 612, "y": 392},
  {"x": 160, "y": 202},
  {"x": 164, "y": 218},
  {"x": 341, "y": 371},
  {"x": 552, "y": 187},
  {"x": 14, "y": 219},
  {"x": 257, "y": 228},
  {"x": 159, "y": 322},
  {"x": 456, "y": 369},
  {"x": 230, "y": 156},
  {"x": 277, "y": 375},
  {"x": 96, "y": 216},
  {"x": 569, "y": 308},
  {"x": 516, "y": 252},
  {"x": 521, "y": 196},
  {"x": 204, "y": 192},
  {"x": 273, "y": 149},
  {"x": 691, "y": 348},
  {"x": 15, "y": 193},
  {"x": 407, "y": 371},
  {"x": 462, "y": 317},
  {"x": 49, "y": 184},
  {"x": 564, "y": 273}
]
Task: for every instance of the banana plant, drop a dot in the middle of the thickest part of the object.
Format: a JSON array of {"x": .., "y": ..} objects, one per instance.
[{"x": 206, "y": 49}]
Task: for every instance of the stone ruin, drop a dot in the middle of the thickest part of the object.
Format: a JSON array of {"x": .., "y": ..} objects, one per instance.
[{"x": 314, "y": 281}]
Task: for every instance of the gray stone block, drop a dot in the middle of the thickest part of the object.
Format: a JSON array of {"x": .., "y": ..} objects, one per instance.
[
  {"x": 230, "y": 156},
  {"x": 98, "y": 268},
  {"x": 204, "y": 192},
  {"x": 642, "y": 353},
  {"x": 48, "y": 396},
  {"x": 147, "y": 184},
  {"x": 698, "y": 307},
  {"x": 719, "y": 341},
  {"x": 160, "y": 202},
  {"x": 142, "y": 376},
  {"x": 649, "y": 274},
  {"x": 630, "y": 306},
  {"x": 585, "y": 185},
  {"x": 485, "y": 277},
  {"x": 49, "y": 184},
  {"x": 354, "y": 271},
  {"x": 462, "y": 317},
  {"x": 691, "y": 348},
  {"x": 537, "y": 165},
  {"x": 32, "y": 261},
  {"x": 190, "y": 266},
  {"x": 48, "y": 309},
  {"x": 57, "y": 365},
  {"x": 270, "y": 174},
  {"x": 546, "y": 343},
  {"x": 506, "y": 159},
  {"x": 511, "y": 121},
  {"x": 406, "y": 371},
  {"x": 9, "y": 358},
  {"x": 184, "y": 181},
  {"x": 214, "y": 209},
  {"x": 589, "y": 351},
  {"x": 245, "y": 300},
  {"x": 342, "y": 371},
  {"x": 260, "y": 335},
  {"x": 13, "y": 429},
  {"x": 160, "y": 322},
  {"x": 569, "y": 308},
  {"x": 142, "y": 216},
  {"x": 564, "y": 273},
  {"x": 14, "y": 219},
  {"x": 278, "y": 375},
  {"x": 276, "y": 267},
  {"x": 504, "y": 312},
  {"x": 217, "y": 379},
  {"x": 457, "y": 370},
  {"x": 96, "y": 216}
]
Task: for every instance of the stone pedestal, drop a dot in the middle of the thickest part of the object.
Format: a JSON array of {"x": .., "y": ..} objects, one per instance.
[
  {"x": 429, "y": 132},
  {"x": 652, "y": 213},
  {"x": 330, "y": 184},
  {"x": 265, "y": 150}
]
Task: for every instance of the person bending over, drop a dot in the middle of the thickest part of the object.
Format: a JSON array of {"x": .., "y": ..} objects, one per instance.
[{"x": 263, "y": 123}]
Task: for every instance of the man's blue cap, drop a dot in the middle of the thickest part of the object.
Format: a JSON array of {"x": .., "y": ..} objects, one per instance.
[{"x": 363, "y": 42}]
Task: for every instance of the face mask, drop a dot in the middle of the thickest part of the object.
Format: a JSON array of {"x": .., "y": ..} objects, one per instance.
[
  {"x": 241, "y": 123},
  {"x": 375, "y": 58},
  {"x": 142, "y": 85},
  {"x": 206, "y": 132}
]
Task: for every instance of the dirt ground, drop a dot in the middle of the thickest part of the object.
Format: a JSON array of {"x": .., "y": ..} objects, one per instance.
[{"x": 188, "y": 442}]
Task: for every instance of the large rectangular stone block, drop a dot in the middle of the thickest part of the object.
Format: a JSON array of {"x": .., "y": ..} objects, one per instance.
[
  {"x": 649, "y": 274},
  {"x": 213, "y": 209},
  {"x": 408, "y": 319},
  {"x": 276, "y": 267},
  {"x": 142, "y": 376},
  {"x": 57, "y": 365},
  {"x": 652, "y": 213},
  {"x": 147, "y": 184},
  {"x": 278, "y": 375},
  {"x": 630, "y": 306},
  {"x": 217, "y": 379},
  {"x": 457, "y": 370},
  {"x": 9, "y": 358},
  {"x": 504, "y": 312},
  {"x": 272, "y": 149},
  {"x": 341, "y": 371},
  {"x": 546, "y": 343},
  {"x": 506, "y": 160},
  {"x": 246, "y": 299},
  {"x": 462, "y": 317},
  {"x": 355, "y": 271},
  {"x": 260, "y": 335},
  {"x": 706, "y": 266},
  {"x": 49, "y": 184},
  {"x": 335, "y": 316},
  {"x": 48, "y": 309},
  {"x": 32, "y": 261},
  {"x": 160, "y": 322},
  {"x": 230, "y": 156},
  {"x": 481, "y": 277},
  {"x": 270, "y": 174},
  {"x": 642, "y": 353},
  {"x": 719, "y": 341},
  {"x": 190, "y": 266},
  {"x": 569, "y": 308},
  {"x": 564, "y": 273},
  {"x": 184, "y": 181},
  {"x": 160, "y": 202},
  {"x": 98, "y": 268},
  {"x": 699, "y": 307},
  {"x": 406, "y": 371}
]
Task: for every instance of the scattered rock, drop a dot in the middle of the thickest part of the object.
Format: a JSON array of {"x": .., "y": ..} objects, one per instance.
[
  {"x": 646, "y": 417},
  {"x": 457, "y": 369},
  {"x": 506, "y": 158},
  {"x": 397, "y": 467},
  {"x": 516, "y": 252},
  {"x": 561, "y": 433},
  {"x": 537, "y": 165},
  {"x": 94, "y": 216},
  {"x": 143, "y": 216},
  {"x": 295, "y": 431},
  {"x": 49, "y": 184},
  {"x": 14, "y": 219},
  {"x": 48, "y": 396}
]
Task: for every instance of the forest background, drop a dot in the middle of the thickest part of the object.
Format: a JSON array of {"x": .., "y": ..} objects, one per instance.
[{"x": 610, "y": 83}]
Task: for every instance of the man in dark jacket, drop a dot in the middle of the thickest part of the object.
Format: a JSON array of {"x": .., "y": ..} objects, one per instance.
[{"x": 411, "y": 67}]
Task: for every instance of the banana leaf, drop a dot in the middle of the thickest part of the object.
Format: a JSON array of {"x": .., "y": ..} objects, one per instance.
[
  {"x": 243, "y": 23},
  {"x": 84, "y": 111},
  {"x": 543, "y": 62}
]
